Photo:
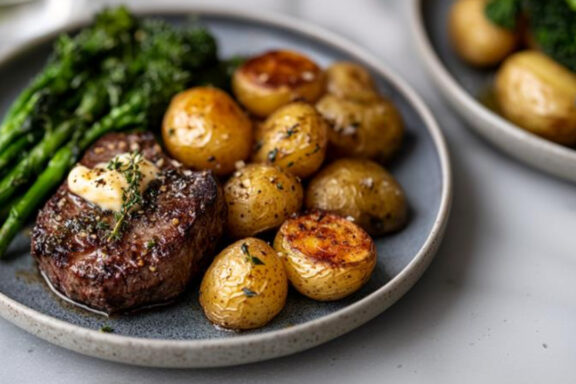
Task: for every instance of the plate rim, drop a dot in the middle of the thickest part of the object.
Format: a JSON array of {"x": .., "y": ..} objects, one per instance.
[
  {"x": 499, "y": 129},
  {"x": 53, "y": 329}
]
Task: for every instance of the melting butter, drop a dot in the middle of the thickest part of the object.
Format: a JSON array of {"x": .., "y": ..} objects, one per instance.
[{"x": 104, "y": 187}]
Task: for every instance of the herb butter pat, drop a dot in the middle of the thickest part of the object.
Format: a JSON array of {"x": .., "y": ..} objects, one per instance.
[{"x": 104, "y": 185}]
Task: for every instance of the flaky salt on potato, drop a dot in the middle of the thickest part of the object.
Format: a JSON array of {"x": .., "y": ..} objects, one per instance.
[
  {"x": 326, "y": 256},
  {"x": 245, "y": 287},
  {"x": 266, "y": 82}
]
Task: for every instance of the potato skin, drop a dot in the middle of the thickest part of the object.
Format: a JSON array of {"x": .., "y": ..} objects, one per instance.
[
  {"x": 326, "y": 256},
  {"x": 372, "y": 130},
  {"x": 295, "y": 138},
  {"x": 538, "y": 94},
  {"x": 363, "y": 190},
  {"x": 349, "y": 80},
  {"x": 245, "y": 287},
  {"x": 268, "y": 81},
  {"x": 475, "y": 38},
  {"x": 204, "y": 128},
  {"x": 260, "y": 197}
]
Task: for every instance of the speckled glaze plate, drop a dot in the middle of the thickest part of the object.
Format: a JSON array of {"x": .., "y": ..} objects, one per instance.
[
  {"x": 178, "y": 335},
  {"x": 463, "y": 86}
]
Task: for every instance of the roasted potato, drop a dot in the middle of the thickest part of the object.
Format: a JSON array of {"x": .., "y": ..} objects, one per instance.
[
  {"x": 268, "y": 81},
  {"x": 476, "y": 39},
  {"x": 204, "y": 128},
  {"x": 245, "y": 287},
  {"x": 350, "y": 81},
  {"x": 539, "y": 95},
  {"x": 326, "y": 256},
  {"x": 362, "y": 129},
  {"x": 293, "y": 138},
  {"x": 362, "y": 190},
  {"x": 260, "y": 197}
]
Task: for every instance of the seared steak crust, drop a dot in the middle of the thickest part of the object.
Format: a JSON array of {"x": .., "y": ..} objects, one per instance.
[{"x": 164, "y": 242}]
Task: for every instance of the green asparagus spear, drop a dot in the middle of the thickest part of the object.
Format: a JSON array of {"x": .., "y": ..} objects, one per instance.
[
  {"x": 25, "y": 206},
  {"x": 11, "y": 129},
  {"x": 17, "y": 149},
  {"x": 26, "y": 168}
]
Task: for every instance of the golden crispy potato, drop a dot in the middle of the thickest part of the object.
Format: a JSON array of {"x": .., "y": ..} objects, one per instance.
[
  {"x": 362, "y": 129},
  {"x": 350, "y": 81},
  {"x": 245, "y": 287},
  {"x": 476, "y": 39},
  {"x": 326, "y": 256},
  {"x": 294, "y": 138},
  {"x": 260, "y": 197},
  {"x": 204, "y": 128},
  {"x": 539, "y": 95},
  {"x": 360, "y": 189},
  {"x": 266, "y": 82}
]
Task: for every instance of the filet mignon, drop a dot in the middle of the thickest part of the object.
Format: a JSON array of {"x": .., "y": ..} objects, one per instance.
[{"x": 164, "y": 243}]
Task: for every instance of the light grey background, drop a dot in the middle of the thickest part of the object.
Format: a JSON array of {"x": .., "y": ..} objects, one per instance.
[{"x": 498, "y": 305}]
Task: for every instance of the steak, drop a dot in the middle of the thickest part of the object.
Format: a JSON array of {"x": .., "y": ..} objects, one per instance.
[{"x": 165, "y": 242}]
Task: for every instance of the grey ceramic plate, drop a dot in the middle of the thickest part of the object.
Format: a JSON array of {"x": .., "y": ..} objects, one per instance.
[
  {"x": 463, "y": 85},
  {"x": 178, "y": 335}
]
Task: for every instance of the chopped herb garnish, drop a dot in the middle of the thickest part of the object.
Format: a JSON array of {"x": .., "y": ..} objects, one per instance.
[
  {"x": 316, "y": 149},
  {"x": 249, "y": 258},
  {"x": 131, "y": 195},
  {"x": 115, "y": 164},
  {"x": 171, "y": 131},
  {"x": 150, "y": 244},
  {"x": 106, "y": 329},
  {"x": 292, "y": 130},
  {"x": 256, "y": 261},
  {"x": 102, "y": 225},
  {"x": 248, "y": 292},
  {"x": 272, "y": 155},
  {"x": 211, "y": 159},
  {"x": 258, "y": 145},
  {"x": 290, "y": 164},
  {"x": 280, "y": 186},
  {"x": 244, "y": 248}
]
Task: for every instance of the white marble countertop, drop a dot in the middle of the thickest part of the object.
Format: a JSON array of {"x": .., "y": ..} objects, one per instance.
[{"x": 497, "y": 305}]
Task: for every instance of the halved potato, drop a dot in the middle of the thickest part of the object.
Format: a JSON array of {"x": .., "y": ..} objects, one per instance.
[
  {"x": 245, "y": 287},
  {"x": 294, "y": 138},
  {"x": 326, "y": 256},
  {"x": 204, "y": 128},
  {"x": 268, "y": 81}
]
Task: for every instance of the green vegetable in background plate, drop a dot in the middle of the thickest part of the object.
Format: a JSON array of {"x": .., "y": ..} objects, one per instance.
[{"x": 552, "y": 24}]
